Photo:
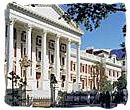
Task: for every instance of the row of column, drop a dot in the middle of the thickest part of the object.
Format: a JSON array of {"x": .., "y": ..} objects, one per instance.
[{"x": 28, "y": 53}]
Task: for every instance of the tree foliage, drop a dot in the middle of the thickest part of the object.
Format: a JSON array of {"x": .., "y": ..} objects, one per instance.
[
  {"x": 105, "y": 85},
  {"x": 90, "y": 14},
  {"x": 122, "y": 82}
]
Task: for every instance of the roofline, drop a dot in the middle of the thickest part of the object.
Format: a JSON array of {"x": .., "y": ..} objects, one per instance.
[{"x": 26, "y": 10}]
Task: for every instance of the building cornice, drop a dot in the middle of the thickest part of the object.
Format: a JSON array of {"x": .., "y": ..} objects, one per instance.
[{"x": 31, "y": 13}]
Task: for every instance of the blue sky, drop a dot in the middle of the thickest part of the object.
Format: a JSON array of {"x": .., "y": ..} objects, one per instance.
[{"x": 108, "y": 35}]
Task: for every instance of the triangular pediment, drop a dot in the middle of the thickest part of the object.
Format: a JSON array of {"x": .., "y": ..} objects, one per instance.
[{"x": 52, "y": 12}]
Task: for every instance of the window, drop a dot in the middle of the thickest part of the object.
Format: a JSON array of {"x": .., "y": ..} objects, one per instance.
[
  {"x": 52, "y": 44},
  {"x": 74, "y": 66},
  {"x": 24, "y": 51},
  {"x": 52, "y": 58},
  {"x": 82, "y": 84},
  {"x": 38, "y": 75},
  {"x": 63, "y": 79},
  {"x": 63, "y": 61},
  {"x": 74, "y": 80},
  {"x": 71, "y": 65},
  {"x": 6, "y": 28},
  {"x": 117, "y": 74},
  {"x": 39, "y": 55},
  {"x": 80, "y": 67},
  {"x": 114, "y": 73},
  {"x": 123, "y": 63},
  {"x": 15, "y": 49},
  {"x": 83, "y": 68},
  {"x": 15, "y": 34},
  {"x": 23, "y": 36},
  {"x": 114, "y": 60},
  {"x": 109, "y": 72},
  {"x": 38, "y": 41},
  {"x": 63, "y": 47},
  {"x": 86, "y": 68},
  {"x": 21, "y": 50}
]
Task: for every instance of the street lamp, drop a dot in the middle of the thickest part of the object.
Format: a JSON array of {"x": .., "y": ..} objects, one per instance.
[{"x": 25, "y": 62}]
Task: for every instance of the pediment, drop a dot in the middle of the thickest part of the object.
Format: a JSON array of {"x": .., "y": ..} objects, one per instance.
[{"x": 52, "y": 12}]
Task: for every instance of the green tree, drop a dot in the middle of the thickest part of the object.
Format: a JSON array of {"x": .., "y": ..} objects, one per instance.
[
  {"x": 91, "y": 14},
  {"x": 121, "y": 82},
  {"x": 105, "y": 85}
]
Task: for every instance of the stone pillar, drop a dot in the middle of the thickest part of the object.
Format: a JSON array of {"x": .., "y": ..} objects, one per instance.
[
  {"x": 45, "y": 65},
  {"x": 10, "y": 51},
  {"x": 68, "y": 80},
  {"x": 34, "y": 61},
  {"x": 57, "y": 58},
  {"x": 28, "y": 48},
  {"x": 29, "y": 78},
  {"x": 78, "y": 83},
  {"x": 18, "y": 56},
  {"x": 57, "y": 66}
]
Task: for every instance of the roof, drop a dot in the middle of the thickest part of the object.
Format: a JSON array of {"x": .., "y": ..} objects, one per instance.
[{"x": 50, "y": 13}]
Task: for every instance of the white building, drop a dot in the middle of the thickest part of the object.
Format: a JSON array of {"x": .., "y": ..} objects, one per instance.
[{"x": 37, "y": 31}]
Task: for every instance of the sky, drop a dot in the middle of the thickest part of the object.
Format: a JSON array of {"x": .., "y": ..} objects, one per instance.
[{"x": 108, "y": 35}]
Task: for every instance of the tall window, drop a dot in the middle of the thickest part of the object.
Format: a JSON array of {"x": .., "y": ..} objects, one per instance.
[
  {"x": 109, "y": 72},
  {"x": 15, "y": 49},
  {"x": 6, "y": 29},
  {"x": 113, "y": 73},
  {"x": 83, "y": 68},
  {"x": 74, "y": 66},
  {"x": 23, "y": 36},
  {"x": 52, "y": 58},
  {"x": 63, "y": 60},
  {"x": 39, "y": 55},
  {"x": 38, "y": 41},
  {"x": 15, "y": 34},
  {"x": 38, "y": 75}
]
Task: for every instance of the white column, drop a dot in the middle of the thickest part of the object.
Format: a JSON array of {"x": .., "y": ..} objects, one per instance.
[
  {"x": 18, "y": 67},
  {"x": 29, "y": 78},
  {"x": 34, "y": 60},
  {"x": 57, "y": 66},
  {"x": 28, "y": 48},
  {"x": 10, "y": 50},
  {"x": 45, "y": 89},
  {"x": 28, "y": 41},
  {"x": 43, "y": 47},
  {"x": 78, "y": 68},
  {"x": 68, "y": 80},
  {"x": 57, "y": 58}
]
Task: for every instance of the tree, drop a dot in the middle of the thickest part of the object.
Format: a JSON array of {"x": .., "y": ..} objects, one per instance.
[
  {"x": 122, "y": 82},
  {"x": 124, "y": 34},
  {"x": 97, "y": 71},
  {"x": 105, "y": 85},
  {"x": 90, "y": 14}
]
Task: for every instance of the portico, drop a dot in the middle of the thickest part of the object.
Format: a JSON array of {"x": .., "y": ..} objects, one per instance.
[{"x": 46, "y": 46}]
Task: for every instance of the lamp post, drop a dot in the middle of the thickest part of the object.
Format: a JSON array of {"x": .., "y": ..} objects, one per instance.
[{"x": 25, "y": 62}]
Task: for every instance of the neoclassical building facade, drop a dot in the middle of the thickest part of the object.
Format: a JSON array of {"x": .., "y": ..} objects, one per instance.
[{"x": 37, "y": 32}]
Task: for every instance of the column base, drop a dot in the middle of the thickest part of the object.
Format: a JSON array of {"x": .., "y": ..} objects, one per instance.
[
  {"x": 44, "y": 91},
  {"x": 69, "y": 87},
  {"x": 77, "y": 86}
]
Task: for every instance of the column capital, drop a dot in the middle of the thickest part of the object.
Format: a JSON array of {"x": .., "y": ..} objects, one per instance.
[
  {"x": 57, "y": 36},
  {"x": 11, "y": 21},
  {"x": 69, "y": 40},
  {"x": 44, "y": 31},
  {"x": 29, "y": 27},
  {"x": 78, "y": 43}
]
